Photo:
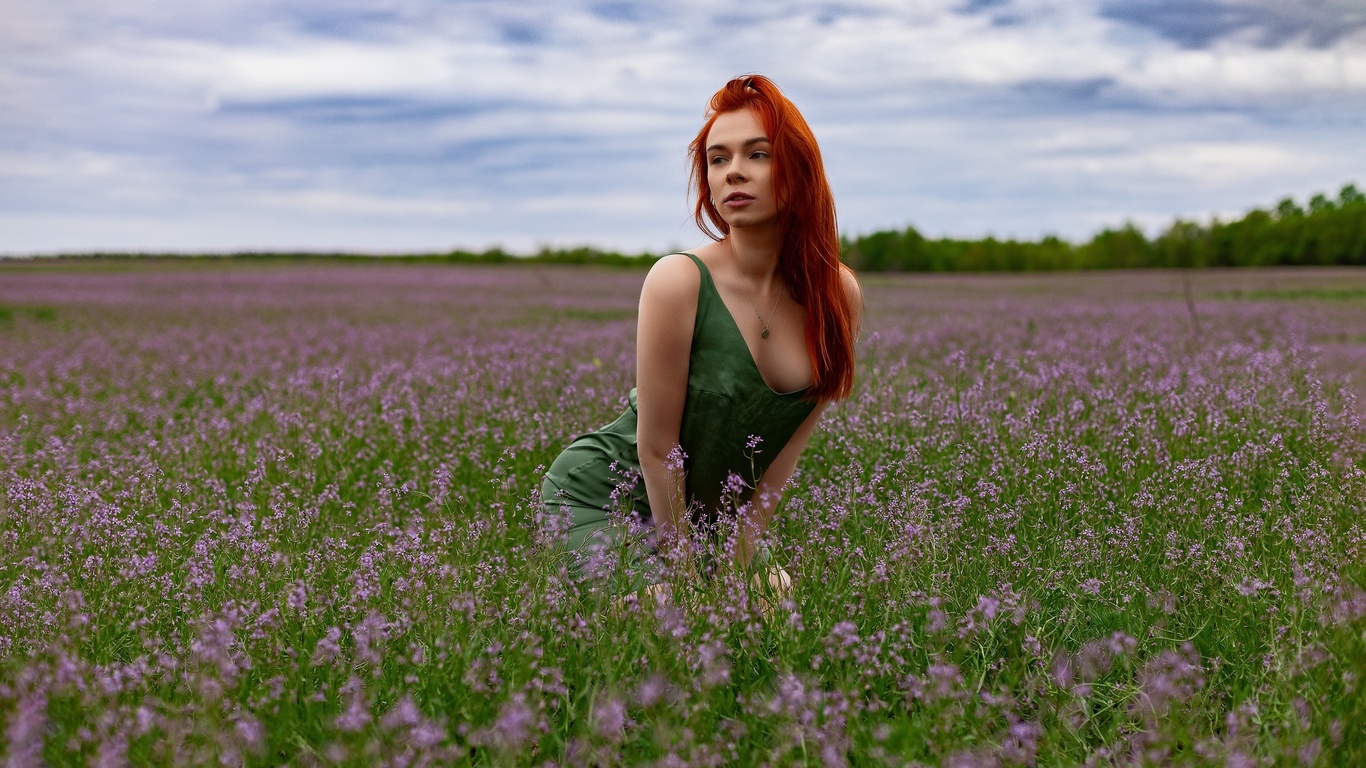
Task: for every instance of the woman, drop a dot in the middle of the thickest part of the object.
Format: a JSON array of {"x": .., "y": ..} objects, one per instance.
[{"x": 740, "y": 345}]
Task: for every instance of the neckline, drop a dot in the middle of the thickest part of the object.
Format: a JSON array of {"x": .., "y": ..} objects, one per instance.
[{"x": 749, "y": 354}]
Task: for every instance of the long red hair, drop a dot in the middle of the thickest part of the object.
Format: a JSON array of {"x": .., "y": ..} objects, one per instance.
[{"x": 808, "y": 245}]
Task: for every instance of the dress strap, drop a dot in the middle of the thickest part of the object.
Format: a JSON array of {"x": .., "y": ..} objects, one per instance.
[
  {"x": 704, "y": 297},
  {"x": 701, "y": 266}
]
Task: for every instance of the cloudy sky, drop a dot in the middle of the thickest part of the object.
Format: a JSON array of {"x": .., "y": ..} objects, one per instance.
[{"x": 400, "y": 125}]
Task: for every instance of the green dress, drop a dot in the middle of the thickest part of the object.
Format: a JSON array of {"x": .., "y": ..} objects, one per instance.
[{"x": 728, "y": 405}]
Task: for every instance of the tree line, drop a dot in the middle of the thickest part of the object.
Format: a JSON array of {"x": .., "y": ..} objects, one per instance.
[{"x": 1324, "y": 232}]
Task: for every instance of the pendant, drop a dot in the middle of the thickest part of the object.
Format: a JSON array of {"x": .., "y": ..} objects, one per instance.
[{"x": 765, "y": 334}]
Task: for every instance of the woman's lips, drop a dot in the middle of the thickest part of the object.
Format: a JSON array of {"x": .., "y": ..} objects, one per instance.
[{"x": 738, "y": 201}]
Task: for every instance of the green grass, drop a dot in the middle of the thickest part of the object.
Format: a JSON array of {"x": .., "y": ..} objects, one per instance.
[{"x": 1121, "y": 540}]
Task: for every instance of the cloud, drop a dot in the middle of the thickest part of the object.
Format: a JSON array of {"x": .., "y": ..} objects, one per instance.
[
  {"x": 354, "y": 123},
  {"x": 1209, "y": 164},
  {"x": 1266, "y": 23}
]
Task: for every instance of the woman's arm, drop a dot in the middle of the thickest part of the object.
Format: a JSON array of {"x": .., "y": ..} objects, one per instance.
[
  {"x": 668, "y": 308},
  {"x": 770, "y": 490}
]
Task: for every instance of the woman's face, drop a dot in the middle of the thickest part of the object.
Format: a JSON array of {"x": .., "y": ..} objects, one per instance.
[{"x": 740, "y": 169}]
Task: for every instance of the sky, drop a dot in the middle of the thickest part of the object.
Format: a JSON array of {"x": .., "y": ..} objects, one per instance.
[{"x": 422, "y": 125}]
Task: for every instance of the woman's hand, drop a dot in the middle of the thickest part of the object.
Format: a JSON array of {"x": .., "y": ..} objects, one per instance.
[{"x": 770, "y": 588}]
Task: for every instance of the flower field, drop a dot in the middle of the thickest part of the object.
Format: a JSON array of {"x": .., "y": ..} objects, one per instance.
[{"x": 286, "y": 513}]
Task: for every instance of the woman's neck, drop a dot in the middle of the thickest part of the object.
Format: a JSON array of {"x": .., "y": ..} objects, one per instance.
[{"x": 756, "y": 252}]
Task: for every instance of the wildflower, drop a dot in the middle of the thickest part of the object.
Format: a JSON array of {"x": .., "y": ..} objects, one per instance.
[
  {"x": 1170, "y": 678},
  {"x": 356, "y": 712},
  {"x": 650, "y": 691},
  {"x": 609, "y": 719},
  {"x": 512, "y": 728},
  {"x": 26, "y": 729},
  {"x": 328, "y": 647}
]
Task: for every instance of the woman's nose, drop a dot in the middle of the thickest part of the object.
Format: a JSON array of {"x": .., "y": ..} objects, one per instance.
[{"x": 736, "y": 173}]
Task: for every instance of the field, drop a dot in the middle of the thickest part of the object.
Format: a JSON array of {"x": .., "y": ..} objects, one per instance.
[{"x": 268, "y": 514}]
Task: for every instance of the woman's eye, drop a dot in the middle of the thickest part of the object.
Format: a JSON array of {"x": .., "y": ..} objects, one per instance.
[
  {"x": 757, "y": 155},
  {"x": 718, "y": 159}
]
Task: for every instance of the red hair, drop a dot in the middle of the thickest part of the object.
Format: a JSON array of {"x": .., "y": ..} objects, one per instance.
[{"x": 808, "y": 236}]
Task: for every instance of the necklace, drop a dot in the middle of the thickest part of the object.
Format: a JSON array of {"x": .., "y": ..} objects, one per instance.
[{"x": 750, "y": 294}]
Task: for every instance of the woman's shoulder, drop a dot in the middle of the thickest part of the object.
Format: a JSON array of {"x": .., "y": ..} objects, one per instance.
[
  {"x": 849, "y": 280},
  {"x": 854, "y": 292},
  {"x": 674, "y": 276},
  {"x": 668, "y": 305}
]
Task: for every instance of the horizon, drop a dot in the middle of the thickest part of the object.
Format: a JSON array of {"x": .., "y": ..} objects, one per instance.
[{"x": 542, "y": 249}]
